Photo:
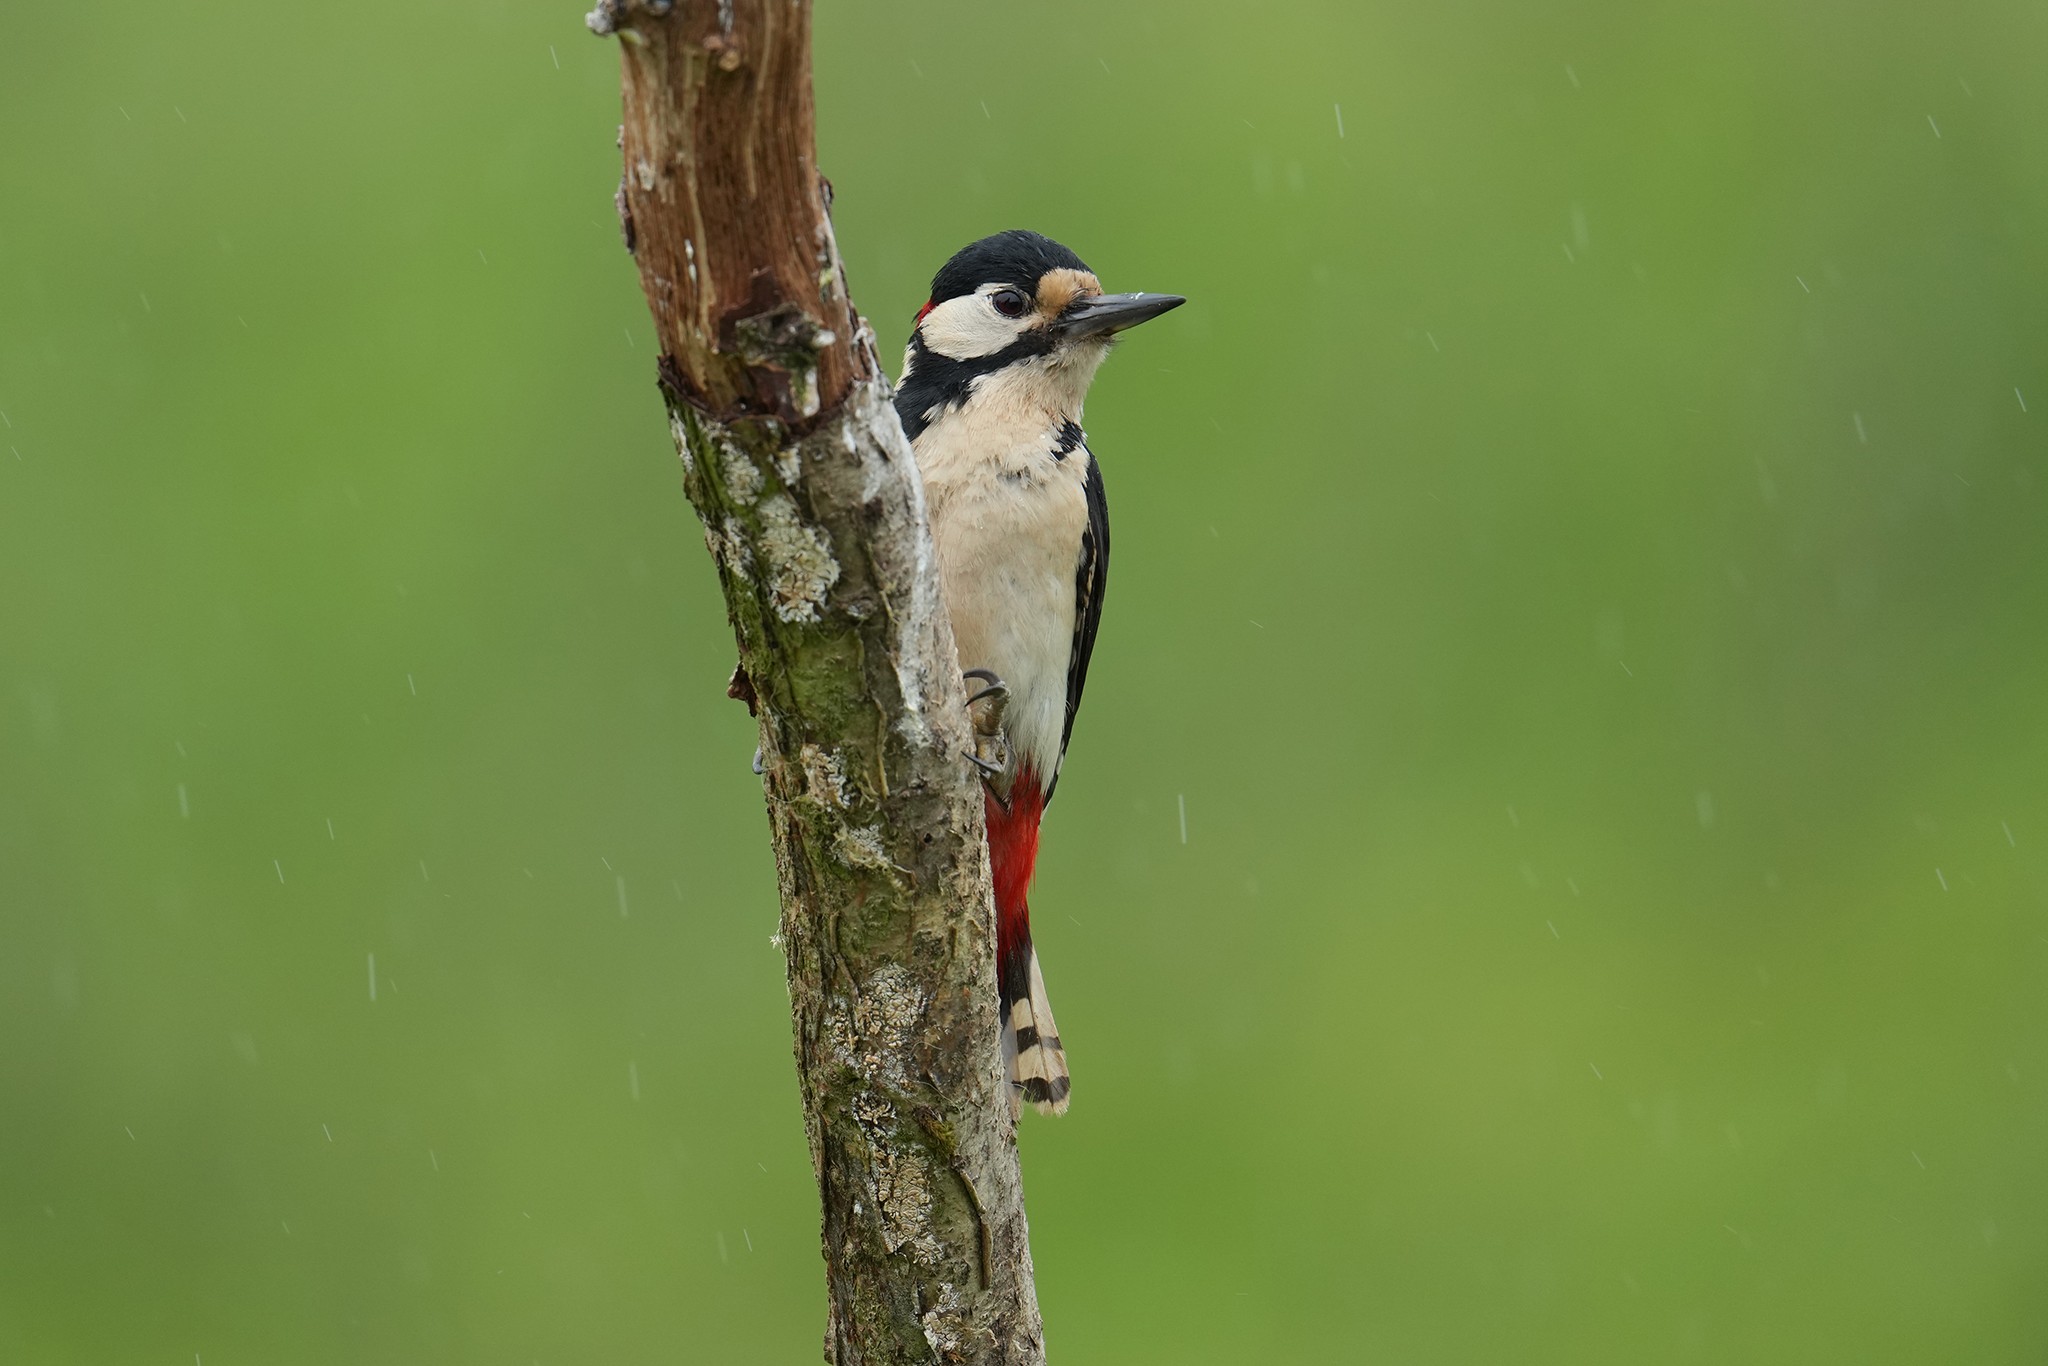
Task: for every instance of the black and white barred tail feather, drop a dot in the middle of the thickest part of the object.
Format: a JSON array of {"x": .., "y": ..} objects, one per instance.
[{"x": 1032, "y": 1054}]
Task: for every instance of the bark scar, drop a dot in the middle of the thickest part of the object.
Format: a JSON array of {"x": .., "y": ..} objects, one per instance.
[{"x": 741, "y": 689}]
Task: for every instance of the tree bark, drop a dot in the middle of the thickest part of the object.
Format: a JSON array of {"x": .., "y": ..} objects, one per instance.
[{"x": 814, "y": 515}]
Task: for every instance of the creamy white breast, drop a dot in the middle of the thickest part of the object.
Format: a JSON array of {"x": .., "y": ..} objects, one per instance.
[{"x": 1008, "y": 517}]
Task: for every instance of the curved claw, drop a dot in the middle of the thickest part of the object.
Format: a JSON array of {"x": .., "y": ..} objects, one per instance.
[
  {"x": 991, "y": 780},
  {"x": 996, "y": 687},
  {"x": 990, "y": 753}
]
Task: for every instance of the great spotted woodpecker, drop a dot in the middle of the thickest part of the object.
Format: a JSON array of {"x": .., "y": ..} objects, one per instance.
[{"x": 998, "y": 366}]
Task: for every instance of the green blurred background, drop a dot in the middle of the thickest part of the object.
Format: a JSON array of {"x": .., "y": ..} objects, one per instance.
[{"x": 1579, "y": 560}]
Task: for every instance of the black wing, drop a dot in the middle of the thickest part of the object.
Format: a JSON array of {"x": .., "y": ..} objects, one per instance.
[{"x": 1091, "y": 582}]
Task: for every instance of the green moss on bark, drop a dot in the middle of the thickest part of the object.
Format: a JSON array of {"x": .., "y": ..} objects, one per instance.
[{"x": 880, "y": 855}]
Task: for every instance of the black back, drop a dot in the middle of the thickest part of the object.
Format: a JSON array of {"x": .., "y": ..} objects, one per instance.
[{"x": 1091, "y": 585}]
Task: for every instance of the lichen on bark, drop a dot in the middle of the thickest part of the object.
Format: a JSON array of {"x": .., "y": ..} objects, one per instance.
[
  {"x": 883, "y": 872},
  {"x": 814, "y": 516}
]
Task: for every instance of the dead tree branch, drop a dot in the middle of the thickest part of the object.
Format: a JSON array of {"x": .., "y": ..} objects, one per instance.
[{"x": 815, "y": 519}]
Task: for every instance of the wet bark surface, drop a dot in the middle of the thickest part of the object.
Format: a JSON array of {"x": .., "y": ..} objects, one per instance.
[{"x": 814, "y": 516}]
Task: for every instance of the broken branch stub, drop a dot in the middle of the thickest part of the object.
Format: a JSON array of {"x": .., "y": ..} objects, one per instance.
[
  {"x": 814, "y": 515},
  {"x": 724, "y": 210}
]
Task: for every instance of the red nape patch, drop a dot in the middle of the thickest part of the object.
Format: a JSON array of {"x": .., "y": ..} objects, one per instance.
[
  {"x": 922, "y": 311},
  {"x": 1012, "y": 854}
]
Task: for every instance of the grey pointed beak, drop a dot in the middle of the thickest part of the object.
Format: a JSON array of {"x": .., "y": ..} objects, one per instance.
[{"x": 1104, "y": 314}]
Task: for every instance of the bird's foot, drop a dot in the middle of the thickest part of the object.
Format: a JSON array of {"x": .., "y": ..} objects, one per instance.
[
  {"x": 990, "y": 754},
  {"x": 992, "y": 681}
]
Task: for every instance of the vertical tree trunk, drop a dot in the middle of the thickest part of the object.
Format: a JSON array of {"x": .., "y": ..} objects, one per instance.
[{"x": 815, "y": 518}]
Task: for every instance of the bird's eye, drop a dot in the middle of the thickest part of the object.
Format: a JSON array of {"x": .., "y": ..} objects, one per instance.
[{"x": 1008, "y": 302}]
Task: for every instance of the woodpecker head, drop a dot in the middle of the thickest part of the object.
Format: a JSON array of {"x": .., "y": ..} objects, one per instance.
[{"x": 1015, "y": 318}]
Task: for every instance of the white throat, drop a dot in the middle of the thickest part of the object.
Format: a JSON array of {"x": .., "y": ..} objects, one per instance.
[{"x": 1043, "y": 388}]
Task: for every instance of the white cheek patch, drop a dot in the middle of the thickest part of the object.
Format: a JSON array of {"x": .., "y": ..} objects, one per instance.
[{"x": 967, "y": 327}]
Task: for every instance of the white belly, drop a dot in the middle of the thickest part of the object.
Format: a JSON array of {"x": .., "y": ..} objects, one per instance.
[{"x": 1008, "y": 527}]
